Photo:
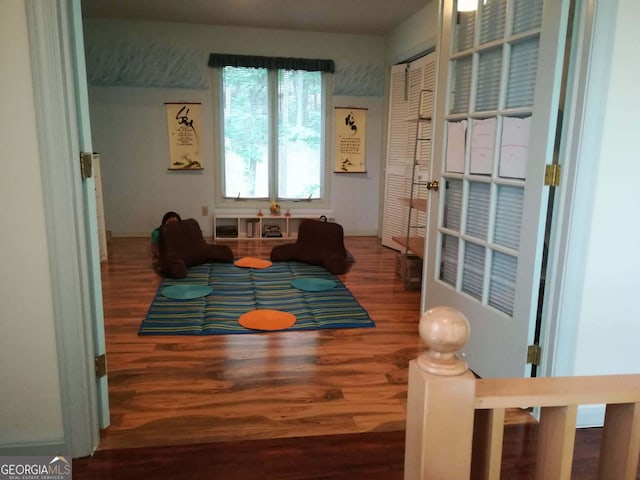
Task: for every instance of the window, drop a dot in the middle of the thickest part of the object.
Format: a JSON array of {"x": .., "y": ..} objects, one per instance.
[{"x": 272, "y": 133}]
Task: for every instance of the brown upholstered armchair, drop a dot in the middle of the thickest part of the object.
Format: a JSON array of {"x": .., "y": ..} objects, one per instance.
[
  {"x": 182, "y": 246},
  {"x": 318, "y": 243}
]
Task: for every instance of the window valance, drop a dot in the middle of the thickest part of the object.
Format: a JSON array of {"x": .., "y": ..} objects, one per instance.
[{"x": 283, "y": 63}]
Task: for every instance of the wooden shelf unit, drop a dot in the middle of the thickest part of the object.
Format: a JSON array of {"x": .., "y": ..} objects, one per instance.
[
  {"x": 412, "y": 244},
  {"x": 252, "y": 226},
  {"x": 410, "y": 260}
]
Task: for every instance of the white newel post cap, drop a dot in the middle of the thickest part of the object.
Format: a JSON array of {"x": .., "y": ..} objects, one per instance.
[{"x": 444, "y": 330}]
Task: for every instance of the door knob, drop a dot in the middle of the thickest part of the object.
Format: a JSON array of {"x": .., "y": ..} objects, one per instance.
[{"x": 433, "y": 185}]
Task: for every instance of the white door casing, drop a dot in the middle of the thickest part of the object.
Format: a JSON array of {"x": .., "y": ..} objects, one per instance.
[{"x": 62, "y": 124}]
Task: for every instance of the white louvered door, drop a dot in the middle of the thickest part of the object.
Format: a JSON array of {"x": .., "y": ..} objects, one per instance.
[
  {"x": 394, "y": 223},
  {"x": 499, "y": 80},
  {"x": 407, "y": 83}
]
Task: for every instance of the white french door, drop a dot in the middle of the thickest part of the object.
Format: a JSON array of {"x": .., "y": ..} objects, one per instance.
[{"x": 499, "y": 76}]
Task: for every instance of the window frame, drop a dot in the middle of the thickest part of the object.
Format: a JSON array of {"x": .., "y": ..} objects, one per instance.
[{"x": 218, "y": 135}]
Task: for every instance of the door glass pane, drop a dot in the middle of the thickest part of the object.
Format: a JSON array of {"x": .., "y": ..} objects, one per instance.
[
  {"x": 299, "y": 134},
  {"x": 502, "y": 285},
  {"x": 509, "y": 216},
  {"x": 483, "y": 139},
  {"x": 522, "y": 73},
  {"x": 246, "y": 132},
  {"x": 494, "y": 14},
  {"x": 489, "y": 73},
  {"x": 478, "y": 210},
  {"x": 456, "y": 143},
  {"x": 473, "y": 271},
  {"x": 465, "y": 30},
  {"x": 514, "y": 147},
  {"x": 527, "y": 15},
  {"x": 449, "y": 260},
  {"x": 452, "y": 205},
  {"x": 461, "y": 85}
]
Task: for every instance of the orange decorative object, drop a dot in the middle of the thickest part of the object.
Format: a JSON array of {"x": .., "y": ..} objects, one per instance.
[
  {"x": 252, "y": 262},
  {"x": 265, "y": 319}
]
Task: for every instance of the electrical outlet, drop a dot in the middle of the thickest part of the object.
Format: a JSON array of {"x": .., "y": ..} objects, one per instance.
[{"x": 205, "y": 211}]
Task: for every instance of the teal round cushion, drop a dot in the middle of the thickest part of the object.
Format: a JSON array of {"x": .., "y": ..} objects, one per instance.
[
  {"x": 313, "y": 284},
  {"x": 186, "y": 291}
]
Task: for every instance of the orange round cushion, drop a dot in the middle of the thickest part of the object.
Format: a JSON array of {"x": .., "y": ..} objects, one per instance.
[
  {"x": 252, "y": 262},
  {"x": 265, "y": 319}
]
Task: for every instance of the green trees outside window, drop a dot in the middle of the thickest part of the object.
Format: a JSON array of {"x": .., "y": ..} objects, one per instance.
[{"x": 273, "y": 133}]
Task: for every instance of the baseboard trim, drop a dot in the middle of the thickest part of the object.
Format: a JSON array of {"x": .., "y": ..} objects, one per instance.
[
  {"x": 52, "y": 448},
  {"x": 367, "y": 233}
]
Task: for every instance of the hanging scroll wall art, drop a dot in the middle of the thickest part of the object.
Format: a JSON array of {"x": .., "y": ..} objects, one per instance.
[
  {"x": 183, "y": 122},
  {"x": 350, "y": 140}
]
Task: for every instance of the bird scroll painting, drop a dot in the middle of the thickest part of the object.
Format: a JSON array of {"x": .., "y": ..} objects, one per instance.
[
  {"x": 183, "y": 122},
  {"x": 351, "y": 125}
]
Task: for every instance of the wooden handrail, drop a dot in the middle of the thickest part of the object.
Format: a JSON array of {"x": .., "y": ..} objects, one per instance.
[
  {"x": 556, "y": 391},
  {"x": 455, "y": 422}
]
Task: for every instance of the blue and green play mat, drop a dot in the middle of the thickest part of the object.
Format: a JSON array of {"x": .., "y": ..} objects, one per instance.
[{"x": 323, "y": 303}]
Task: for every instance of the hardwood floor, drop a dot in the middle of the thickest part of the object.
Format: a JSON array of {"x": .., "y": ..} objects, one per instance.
[
  {"x": 172, "y": 390},
  {"x": 360, "y": 456},
  {"x": 283, "y": 405}
]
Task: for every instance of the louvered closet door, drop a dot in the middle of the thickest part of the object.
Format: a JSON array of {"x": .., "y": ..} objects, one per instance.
[
  {"x": 394, "y": 222},
  {"x": 407, "y": 84},
  {"x": 423, "y": 152},
  {"x": 495, "y": 124}
]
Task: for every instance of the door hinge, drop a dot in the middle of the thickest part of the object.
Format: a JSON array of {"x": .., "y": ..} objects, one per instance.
[
  {"x": 552, "y": 175},
  {"x": 534, "y": 353},
  {"x": 101, "y": 365},
  {"x": 86, "y": 165}
]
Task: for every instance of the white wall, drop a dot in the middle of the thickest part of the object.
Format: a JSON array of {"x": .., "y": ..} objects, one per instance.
[
  {"x": 28, "y": 359},
  {"x": 609, "y": 325},
  {"x": 414, "y": 36},
  {"x": 355, "y": 197},
  {"x": 129, "y": 127}
]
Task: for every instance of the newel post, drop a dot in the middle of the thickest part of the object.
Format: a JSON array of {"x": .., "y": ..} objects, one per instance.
[{"x": 440, "y": 411}]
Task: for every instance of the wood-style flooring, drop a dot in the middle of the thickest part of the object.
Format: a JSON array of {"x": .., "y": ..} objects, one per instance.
[
  {"x": 359, "y": 456},
  {"x": 176, "y": 390},
  {"x": 283, "y": 405},
  {"x": 278, "y": 406}
]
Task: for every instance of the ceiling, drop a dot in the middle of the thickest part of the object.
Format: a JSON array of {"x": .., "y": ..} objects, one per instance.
[{"x": 364, "y": 17}]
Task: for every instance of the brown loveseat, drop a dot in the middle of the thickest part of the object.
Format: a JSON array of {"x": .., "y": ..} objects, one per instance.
[
  {"x": 318, "y": 243},
  {"x": 182, "y": 246}
]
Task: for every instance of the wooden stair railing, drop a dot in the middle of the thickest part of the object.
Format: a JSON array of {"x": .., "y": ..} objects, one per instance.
[{"x": 455, "y": 422}]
